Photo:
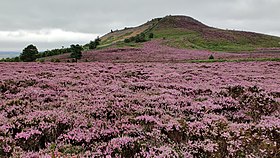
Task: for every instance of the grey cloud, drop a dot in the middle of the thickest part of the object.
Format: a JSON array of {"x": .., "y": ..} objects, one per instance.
[{"x": 99, "y": 17}]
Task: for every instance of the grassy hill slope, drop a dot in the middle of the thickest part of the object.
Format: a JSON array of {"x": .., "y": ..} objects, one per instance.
[
  {"x": 118, "y": 36},
  {"x": 186, "y": 32}
]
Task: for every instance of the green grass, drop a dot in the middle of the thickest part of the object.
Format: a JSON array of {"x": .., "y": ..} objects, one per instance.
[
  {"x": 198, "y": 38},
  {"x": 205, "y": 39},
  {"x": 230, "y": 41},
  {"x": 173, "y": 33},
  {"x": 233, "y": 60},
  {"x": 131, "y": 44},
  {"x": 112, "y": 39},
  {"x": 120, "y": 44}
]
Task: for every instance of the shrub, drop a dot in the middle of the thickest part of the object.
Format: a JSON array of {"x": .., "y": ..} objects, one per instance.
[
  {"x": 140, "y": 38},
  {"x": 132, "y": 38},
  {"x": 41, "y": 60},
  {"x": 53, "y": 52},
  {"x": 54, "y": 60},
  {"x": 151, "y": 35},
  {"x": 126, "y": 40},
  {"x": 74, "y": 60},
  {"x": 15, "y": 59}
]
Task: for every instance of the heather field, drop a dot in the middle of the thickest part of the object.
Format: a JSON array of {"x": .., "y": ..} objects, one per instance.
[
  {"x": 140, "y": 110},
  {"x": 157, "y": 51}
]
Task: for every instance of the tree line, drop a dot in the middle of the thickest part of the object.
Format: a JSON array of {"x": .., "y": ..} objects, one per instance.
[{"x": 31, "y": 53}]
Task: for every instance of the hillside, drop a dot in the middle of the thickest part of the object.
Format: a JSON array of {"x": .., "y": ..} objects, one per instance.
[
  {"x": 8, "y": 54},
  {"x": 186, "y": 32},
  {"x": 119, "y": 35}
]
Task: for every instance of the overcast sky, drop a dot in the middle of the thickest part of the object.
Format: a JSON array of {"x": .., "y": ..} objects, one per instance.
[{"x": 55, "y": 23}]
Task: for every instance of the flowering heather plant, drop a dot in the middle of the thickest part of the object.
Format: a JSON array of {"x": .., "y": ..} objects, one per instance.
[
  {"x": 157, "y": 51},
  {"x": 140, "y": 110}
]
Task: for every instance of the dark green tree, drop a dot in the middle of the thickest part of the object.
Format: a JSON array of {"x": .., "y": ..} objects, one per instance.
[
  {"x": 95, "y": 43},
  {"x": 92, "y": 45},
  {"x": 76, "y": 51},
  {"x": 140, "y": 38},
  {"x": 132, "y": 39},
  {"x": 29, "y": 53}
]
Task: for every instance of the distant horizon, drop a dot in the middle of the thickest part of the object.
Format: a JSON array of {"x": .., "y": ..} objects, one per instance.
[
  {"x": 9, "y": 54},
  {"x": 41, "y": 48}
]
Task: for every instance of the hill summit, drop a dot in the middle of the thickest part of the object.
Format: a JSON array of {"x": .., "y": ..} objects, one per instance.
[{"x": 180, "y": 22}]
